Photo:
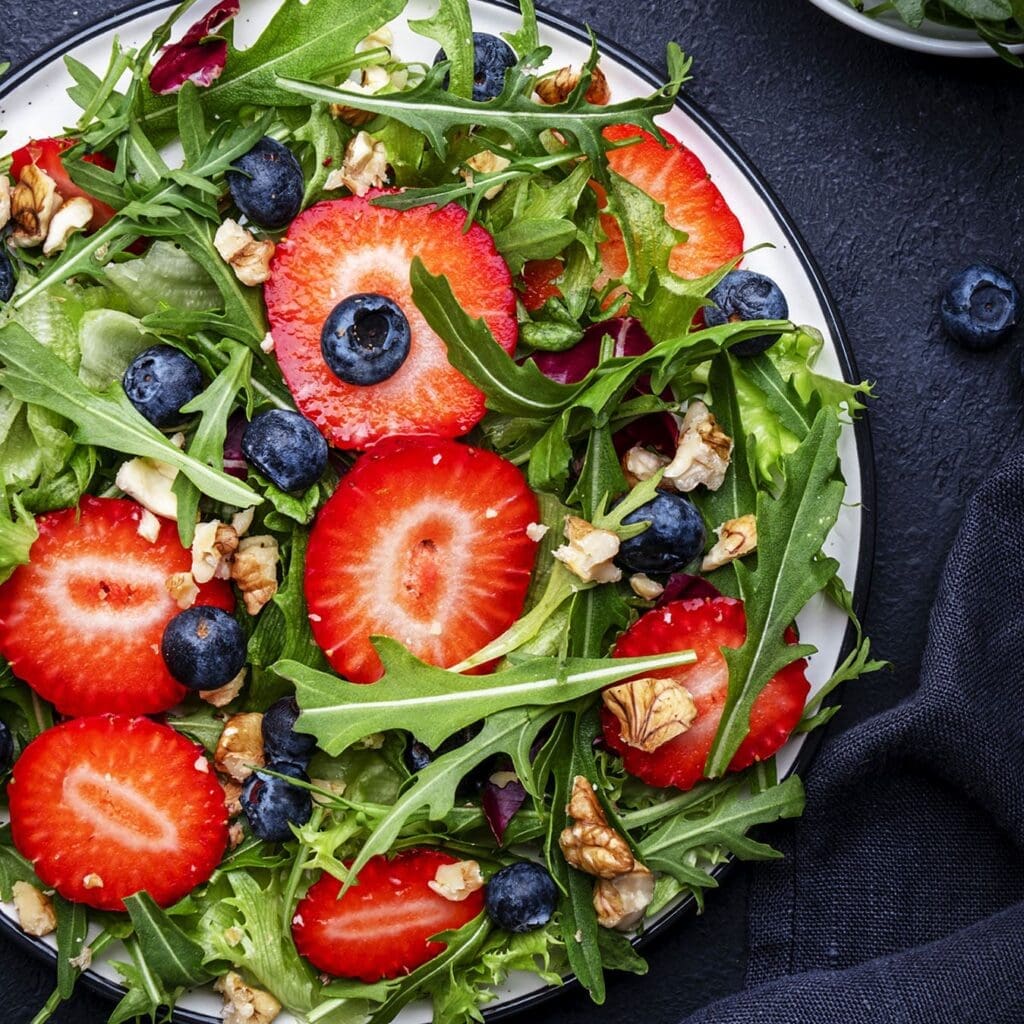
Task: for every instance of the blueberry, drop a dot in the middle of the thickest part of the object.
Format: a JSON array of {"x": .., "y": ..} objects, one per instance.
[
  {"x": 6, "y": 277},
  {"x": 268, "y": 185},
  {"x": 286, "y": 448},
  {"x": 492, "y": 57},
  {"x": 365, "y": 339},
  {"x": 744, "y": 295},
  {"x": 271, "y": 804},
  {"x": 674, "y": 539},
  {"x": 280, "y": 740},
  {"x": 159, "y": 381},
  {"x": 203, "y": 648},
  {"x": 521, "y": 897},
  {"x": 6, "y": 747},
  {"x": 980, "y": 306}
]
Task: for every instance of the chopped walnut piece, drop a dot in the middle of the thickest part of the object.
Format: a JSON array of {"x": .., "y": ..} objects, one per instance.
[
  {"x": 457, "y": 882},
  {"x": 149, "y": 526},
  {"x": 149, "y": 482},
  {"x": 555, "y": 87},
  {"x": 590, "y": 844},
  {"x": 232, "y": 797},
  {"x": 34, "y": 201},
  {"x": 736, "y": 538},
  {"x": 182, "y": 588},
  {"x": 92, "y": 881},
  {"x": 620, "y": 902},
  {"x": 236, "y": 835},
  {"x": 73, "y": 216},
  {"x": 213, "y": 545},
  {"x": 486, "y": 162},
  {"x": 35, "y": 910},
  {"x": 240, "y": 746},
  {"x": 241, "y": 521},
  {"x": 650, "y": 711},
  {"x": 641, "y": 464},
  {"x": 225, "y": 694},
  {"x": 248, "y": 257},
  {"x": 83, "y": 961},
  {"x": 365, "y": 166},
  {"x": 702, "y": 454},
  {"x": 643, "y": 586},
  {"x": 381, "y": 37},
  {"x": 254, "y": 569},
  {"x": 244, "y": 1004},
  {"x": 5, "y": 200},
  {"x": 589, "y": 552}
]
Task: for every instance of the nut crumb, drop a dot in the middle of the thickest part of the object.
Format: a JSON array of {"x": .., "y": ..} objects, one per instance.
[
  {"x": 83, "y": 961},
  {"x": 641, "y": 463},
  {"x": 149, "y": 482},
  {"x": 201, "y": 764},
  {"x": 736, "y": 538},
  {"x": 536, "y": 531},
  {"x": 92, "y": 881},
  {"x": 244, "y": 1004},
  {"x": 225, "y": 694},
  {"x": 589, "y": 552},
  {"x": 182, "y": 588},
  {"x": 247, "y": 257},
  {"x": 240, "y": 747},
  {"x": 267, "y": 344},
  {"x": 485, "y": 162},
  {"x": 643, "y": 586},
  {"x": 149, "y": 526},
  {"x": 35, "y": 910},
  {"x": 457, "y": 882},
  {"x": 365, "y": 166},
  {"x": 241, "y": 521},
  {"x": 555, "y": 87},
  {"x": 5, "y": 200},
  {"x": 34, "y": 202}
]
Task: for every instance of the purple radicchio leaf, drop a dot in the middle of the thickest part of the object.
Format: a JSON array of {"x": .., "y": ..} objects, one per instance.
[
  {"x": 200, "y": 55},
  {"x": 234, "y": 461},
  {"x": 502, "y": 797},
  {"x": 682, "y": 586}
]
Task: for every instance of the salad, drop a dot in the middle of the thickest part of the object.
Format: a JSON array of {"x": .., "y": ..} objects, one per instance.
[{"x": 408, "y": 501}]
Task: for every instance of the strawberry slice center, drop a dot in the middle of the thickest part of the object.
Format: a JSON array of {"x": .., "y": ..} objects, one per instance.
[
  {"x": 117, "y": 812},
  {"x": 100, "y": 597}
]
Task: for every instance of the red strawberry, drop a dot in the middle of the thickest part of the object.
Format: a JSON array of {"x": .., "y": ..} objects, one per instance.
[
  {"x": 46, "y": 155},
  {"x": 381, "y": 927},
  {"x": 82, "y": 622},
  {"x": 705, "y": 624},
  {"x": 106, "y": 806},
  {"x": 679, "y": 181},
  {"x": 424, "y": 541},
  {"x": 346, "y": 246},
  {"x": 538, "y": 282}
]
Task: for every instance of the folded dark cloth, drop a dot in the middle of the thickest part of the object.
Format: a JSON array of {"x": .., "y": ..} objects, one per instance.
[{"x": 901, "y": 897}]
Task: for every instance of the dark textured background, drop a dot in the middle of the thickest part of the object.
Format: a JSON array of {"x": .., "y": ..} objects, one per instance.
[{"x": 898, "y": 169}]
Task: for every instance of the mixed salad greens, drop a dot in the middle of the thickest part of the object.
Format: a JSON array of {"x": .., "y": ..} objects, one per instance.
[
  {"x": 999, "y": 22},
  {"x": 79, "y": 316}
]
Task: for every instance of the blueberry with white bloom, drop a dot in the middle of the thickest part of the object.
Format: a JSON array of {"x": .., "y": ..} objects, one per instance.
[
  {"x": 159, "y": 381},
  {"x": 746, "y": 295}
]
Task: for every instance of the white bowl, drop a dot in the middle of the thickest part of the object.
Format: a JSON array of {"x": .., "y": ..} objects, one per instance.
[{"x": 932, "y": 37}]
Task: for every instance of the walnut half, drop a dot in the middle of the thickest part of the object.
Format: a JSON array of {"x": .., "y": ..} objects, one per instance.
[
  {"x": 555, "y": 87},
  {"x": 34, "y": 201},
  {"x": 620, "y": 902},
  {"x": 590, "y": 844},
  {"x": 650, "y": 711},
  {"x": 254, "y": 569}
]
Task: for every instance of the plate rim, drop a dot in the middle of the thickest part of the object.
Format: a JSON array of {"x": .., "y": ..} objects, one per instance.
[
  {"x": 907, "y": 38},
  {"x": 844, "y": 352}
]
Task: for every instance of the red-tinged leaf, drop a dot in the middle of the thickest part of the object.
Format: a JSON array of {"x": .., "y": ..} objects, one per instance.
[
  {"x": 500, "y": 803},
  {"x": 198, "y": 57}
]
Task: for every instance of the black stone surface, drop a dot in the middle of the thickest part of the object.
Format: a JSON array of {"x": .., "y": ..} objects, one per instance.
[{"x": 898, "y": 169}]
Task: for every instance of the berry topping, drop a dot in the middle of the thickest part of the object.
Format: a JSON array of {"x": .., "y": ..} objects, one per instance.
[
  {"x": 492, "y": 57},
  {"x": 280, "y": 740},
  {"x": 382, "y": 926},
  {"x": 521, "y": 897},
  {"x": 273, "y": 804},
  {"x": 107, "y": 806},
  {"x": 693, "y": 204},
  {"x": 204, "y": 648},
  {"x": 424, "y": 541},
  {"x": 674, "y": 539},
  {"x": 981, "y": 306},
  {"x": 267, "y": 185},
  {"x": 744, "y": 295},
  {"x": 46, "y": 155},
  {"x": 7, "y": 279},
  {"x": 706, "y": 625},
  {"x": 82, "y": 622},
  {"x": 6, "y": 747},
  {"x": 347, "y": 247},
  {"x": 286, "y": 448},
  {"x": 159, "y": 381},
  {"x": 365, "y": 339}
]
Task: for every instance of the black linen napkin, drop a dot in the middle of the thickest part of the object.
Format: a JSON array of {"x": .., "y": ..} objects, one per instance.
[{"x": 901, "y": 897}]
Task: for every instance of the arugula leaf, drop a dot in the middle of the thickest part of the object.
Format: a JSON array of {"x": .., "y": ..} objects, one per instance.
[
  {"x": 432, "y": 110},
  {"x": 33, "y": 374},
  {"x": 175, "y": 958},
  {"x": 526, "y": 38},
  {"x": 72, "y": 930},
  {"x": 856, "y": 664},
  {"x": 434, "y": 703},
  {"x": 452, "y": 26},
  {"x": 791, "y": 530}
]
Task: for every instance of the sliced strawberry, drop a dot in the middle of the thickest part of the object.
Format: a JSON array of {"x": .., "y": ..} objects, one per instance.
[
  {"x": 538, "y": 282},
  {"x": 705, "y": 624},
  {"x": 46, "y": 155},
  {"x": 82, "y": 622},
  {"x": 381, "y": 927},
  {"x": 424, "y": 541},
  {"x": 346, "y": 246},
  {"x": 110, "y": 805},
  {"x": 680, "y": 182}
]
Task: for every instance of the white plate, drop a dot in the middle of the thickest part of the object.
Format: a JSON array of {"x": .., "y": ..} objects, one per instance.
[
  {"x": 932, "y": 37},
  {"x": 35, "y": 105}
]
